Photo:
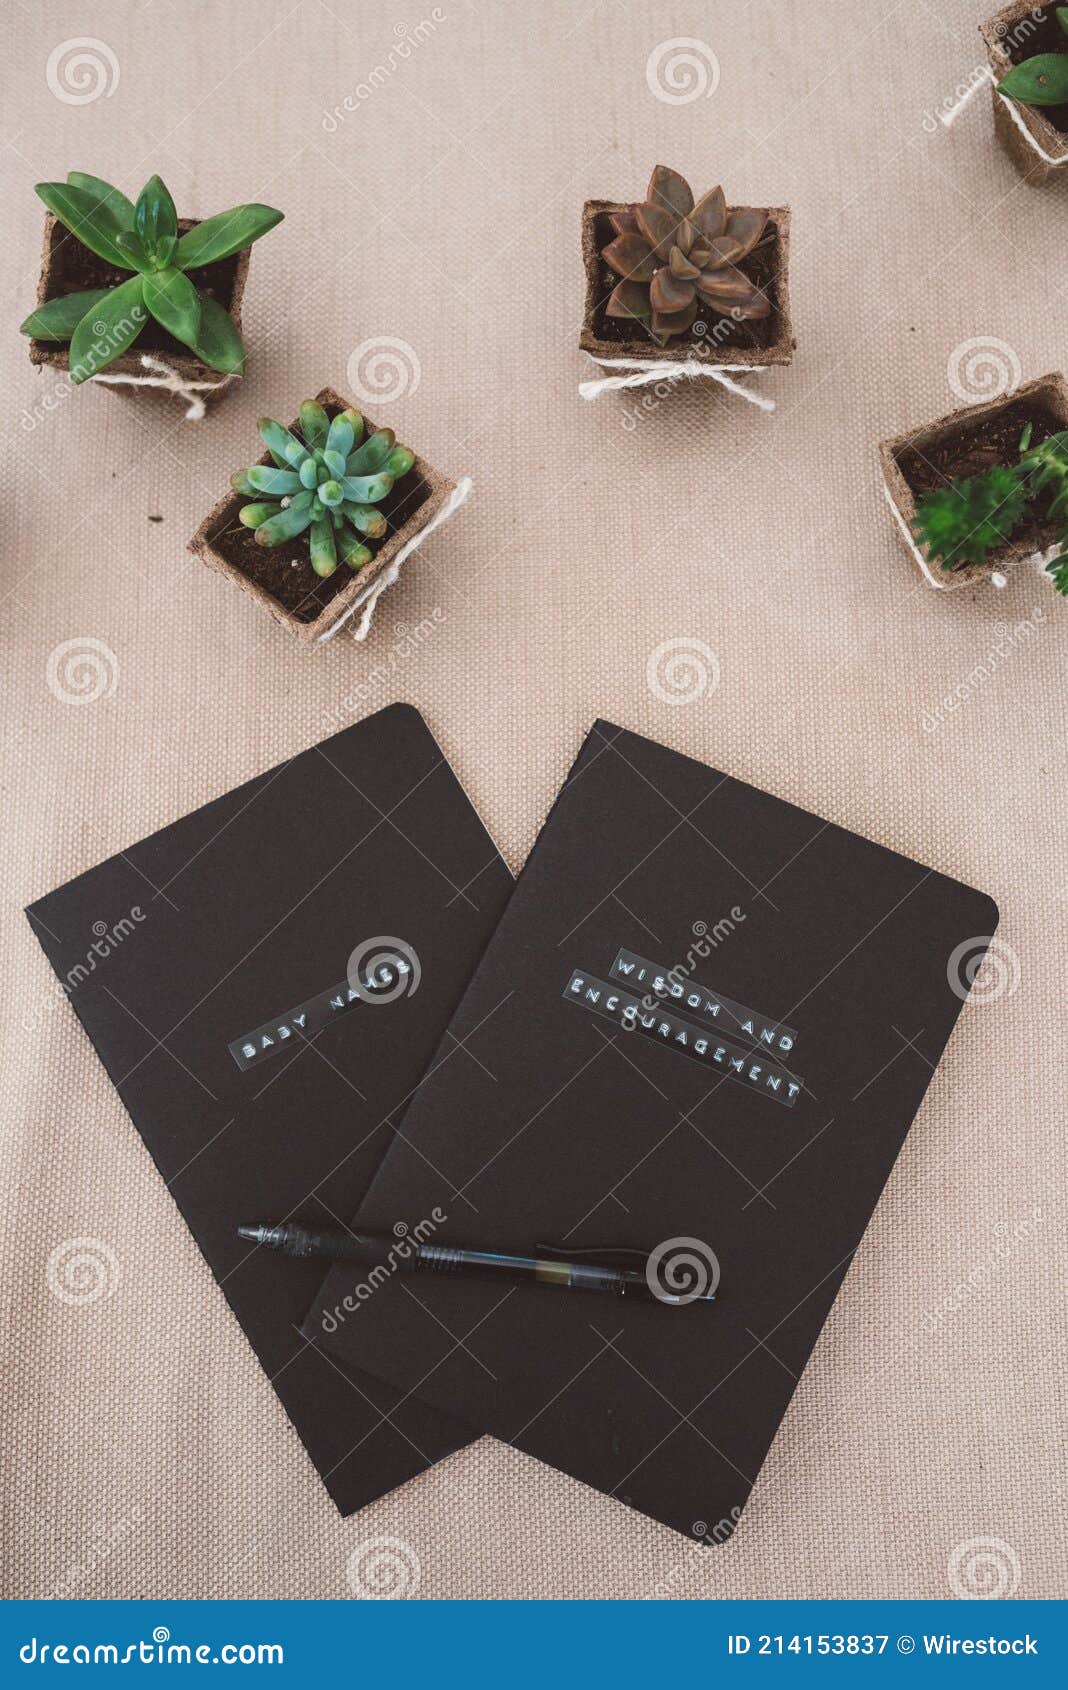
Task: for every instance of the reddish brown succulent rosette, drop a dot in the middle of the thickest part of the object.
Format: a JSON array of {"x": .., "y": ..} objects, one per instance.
[{"x": 673, "y": 254}]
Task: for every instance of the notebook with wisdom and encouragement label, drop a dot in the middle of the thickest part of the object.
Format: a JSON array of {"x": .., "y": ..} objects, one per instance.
[
  {"x": 701, "y": 1031},
  {"x": 265, "y": 982}
]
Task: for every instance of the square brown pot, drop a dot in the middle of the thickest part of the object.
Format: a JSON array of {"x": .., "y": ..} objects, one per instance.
[
  {"x": 281, "y": 578},
  {"x": 745, "y": 345},
  {"x": 69, "y": 267},
  {"x": 1019, "y": 32},
  {"x": 958, "y": 445}
]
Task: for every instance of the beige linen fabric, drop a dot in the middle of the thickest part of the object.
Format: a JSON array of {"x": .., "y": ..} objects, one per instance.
[{"x": 144, "y": 1453}]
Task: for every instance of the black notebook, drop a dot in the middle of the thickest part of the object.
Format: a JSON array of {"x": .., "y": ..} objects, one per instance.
[
  {"x": 701, "y": 1030},
  {"x": 265, "y": 982}
]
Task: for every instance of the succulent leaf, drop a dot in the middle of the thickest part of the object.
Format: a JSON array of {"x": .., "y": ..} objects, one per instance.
[
  {"x": 340, "y": 436},
  {"x": 366, "y": 518},
  {"x": 624, "y": 222},
  {"x": 1041, "y": 81},
  {"x": 962, "y": 523},
  {"x": 668, "y": 293},
  {"x": 1062, "y": 17},
  {"x": 352, "y": 549},
  {"x": 630, "y": 256},
  {"x": 285, "y": 526},
  {"x": 175, "y": 303},
  {"x": 355, "y": 419},
  {"x": 372, "y": 455},
  {"x": 400, "y": 461},
  {"x": 746, "y": 224},
  {"x": 323, "y": 547},
  {"x": 240, "y": 482},
  {"x": 629, "y": 299},
  {"x": 111, "y": 199},
  {"x": 309, "y": 473},
  {"x": 659, "y": 228},
  {"x": 724, "y": 249},
  {"x": 333, "y": 462},
  {"x": 106, "y": 330},
  {"x": 330, "y": 494},
  {"x": 57, "y": 319},
  {"x": 366, "y": 489},
  {"x": 281, "y": 482},
  {"x": 87, "y": 217},
  {"x": 665, "y": 325},
  {"x": 221, "y": 236},
  {"x": 280, "y": 440},
  {"x": 253, "y": 516},
  {"x": 132, "y": 246},
  {"x": 314, "y": 423},
  {"x": 155, "y": 218},
  {"x": 680, "y": 265},
  {"x": 669, "y": 189},
  {"x": 709, "y": 215},
  {"x": 218, "y": 344}
]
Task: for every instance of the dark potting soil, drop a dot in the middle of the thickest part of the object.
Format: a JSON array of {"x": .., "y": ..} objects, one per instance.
[
  {"x": 1043, "y": 35},
  {"x": 285, "y": 571},
  {"x": 73, "y": 269},
  {"x": 761, "y": 267},
  {"x": 970, "y": 447}
]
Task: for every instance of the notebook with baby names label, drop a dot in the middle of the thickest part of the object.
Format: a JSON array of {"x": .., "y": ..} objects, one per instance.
[
  {"x": 265, "y": 981},
  {"x": 700, "y": 1033}
]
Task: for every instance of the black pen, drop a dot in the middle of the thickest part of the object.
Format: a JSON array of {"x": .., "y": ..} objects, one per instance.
[{"x": 408, "y": 1255}]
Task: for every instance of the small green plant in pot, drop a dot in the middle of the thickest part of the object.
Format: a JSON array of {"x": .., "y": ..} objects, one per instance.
[
  {"x": 1027, "y": 50},
  {"x": 166, "y": 287},
  {"x": 327, "y": 485},
  {"x": 312, "y": 530},
  {"x": 962, "y": 524}
]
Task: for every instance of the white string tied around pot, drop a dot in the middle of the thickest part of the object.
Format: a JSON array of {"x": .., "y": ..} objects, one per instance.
[
  {"x": 368, "y": 600},
  {"x": 646, "y": 371}
]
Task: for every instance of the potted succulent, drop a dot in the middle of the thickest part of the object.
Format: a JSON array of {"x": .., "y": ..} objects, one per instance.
[
  {"x": 675, "y": 278},
  {"x": 1027, "y": 47},
  {"x": 985, "y": 488},
  {"x": 130, "y": 289},
  {"x": 320, "y": 518}
]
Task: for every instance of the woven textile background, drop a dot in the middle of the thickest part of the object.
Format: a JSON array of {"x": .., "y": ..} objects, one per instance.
[{"x": 144, "y": 1453}]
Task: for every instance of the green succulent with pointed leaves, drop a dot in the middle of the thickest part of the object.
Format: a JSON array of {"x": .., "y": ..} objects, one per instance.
[
  {"x": 101, "y": 323},
  {"x": 961, "y": 524},
  {"x": 1042, "y": 80},
  {"x": 328, "y": 483}
]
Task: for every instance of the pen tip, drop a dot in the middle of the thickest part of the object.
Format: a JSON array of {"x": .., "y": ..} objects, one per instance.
[{"x": 255, "y": 1233}]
